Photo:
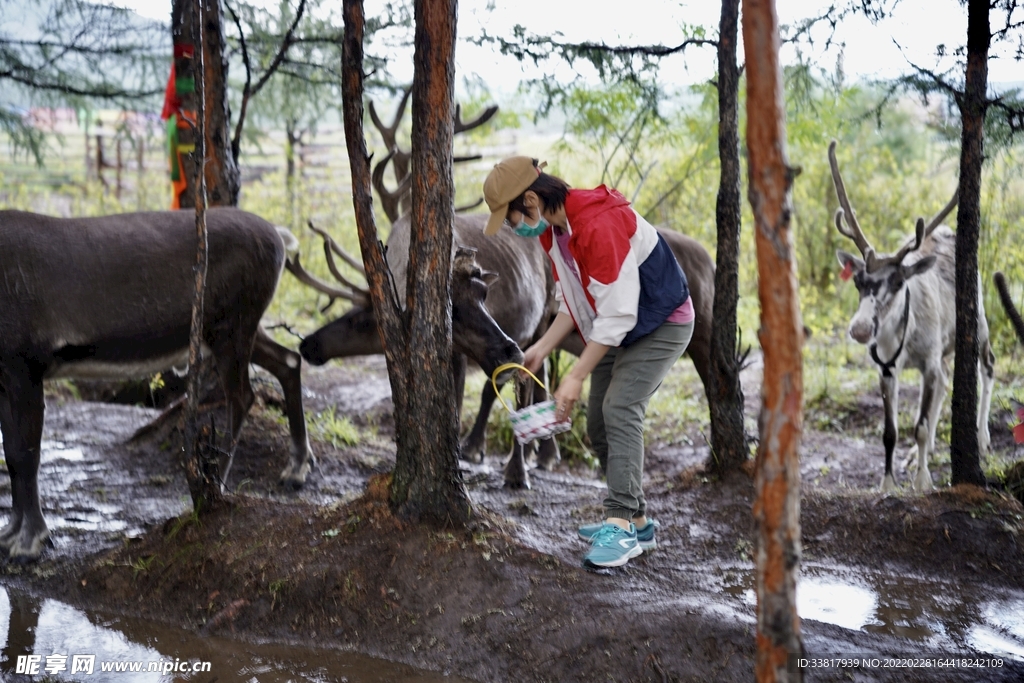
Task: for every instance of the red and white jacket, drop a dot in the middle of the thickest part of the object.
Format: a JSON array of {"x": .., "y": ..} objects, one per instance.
[{"x": 629, "y": 280}]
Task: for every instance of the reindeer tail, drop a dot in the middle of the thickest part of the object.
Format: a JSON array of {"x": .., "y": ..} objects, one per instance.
[{"x": 1011, "y": 310}]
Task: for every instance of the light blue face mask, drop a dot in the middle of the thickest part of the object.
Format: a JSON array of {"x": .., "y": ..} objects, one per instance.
[{"x": 524, "y": 229}]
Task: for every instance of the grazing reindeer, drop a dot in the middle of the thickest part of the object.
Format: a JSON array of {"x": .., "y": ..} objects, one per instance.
[
  {"x": 907, "y": 318},
  {"x": 111, "y": 298}
]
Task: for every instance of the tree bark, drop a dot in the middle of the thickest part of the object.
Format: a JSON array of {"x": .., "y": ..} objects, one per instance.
[
  {"x": 964, "y": 456},
  {"x": 223, "y": 177},
  {"x": 426, "y": 484},
  {"x": 427, "y": 480},
  {"x": 728, "y": 439},
  {"x": 777, "y": 480},
  {"x": 201, "y": 468}
]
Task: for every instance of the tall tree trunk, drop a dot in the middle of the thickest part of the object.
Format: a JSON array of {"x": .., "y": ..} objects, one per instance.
[
  {"x": 201, "y": 467},
  {"x": 427, "y": 479},
  {"x": 223, "y": 177},
  {"x": 728, "y": 440},
  {"x": 964, "y": 435},
  {"x": 292, "y": 140},
  {"x": 426, "y": 483},
  {"x": 777, "y": 505}
]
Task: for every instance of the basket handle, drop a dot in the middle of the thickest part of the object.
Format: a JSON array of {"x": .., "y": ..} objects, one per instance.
[{"x": 500, "y": 369}]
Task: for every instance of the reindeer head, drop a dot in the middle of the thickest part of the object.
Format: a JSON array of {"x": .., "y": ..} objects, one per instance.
[{"x": 879, "y": 278}]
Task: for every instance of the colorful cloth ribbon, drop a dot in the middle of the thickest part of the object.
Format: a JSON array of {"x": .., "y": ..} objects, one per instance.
[{"x": 177, "y": 118}]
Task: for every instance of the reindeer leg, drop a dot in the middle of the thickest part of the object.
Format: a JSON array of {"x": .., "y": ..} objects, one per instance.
[
  {"x": 516, "y": 474},
  {"x": 890, "y": 402},
  {"x": 233, "y": 367},
  {"x": 286, "y": 366},
  {"x": 986, "y": 370},
  {"x": 21, "y": 422},
  {"x": 548, "y": 455},
  {"x": 933, "y": 390},
  {"x": 474, "y": 445}
]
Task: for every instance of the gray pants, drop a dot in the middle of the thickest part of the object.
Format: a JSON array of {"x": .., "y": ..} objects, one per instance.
[{"x": 620, "y": 387}]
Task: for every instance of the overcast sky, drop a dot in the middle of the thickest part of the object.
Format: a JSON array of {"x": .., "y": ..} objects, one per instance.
[{"x": 883, "y": 51}]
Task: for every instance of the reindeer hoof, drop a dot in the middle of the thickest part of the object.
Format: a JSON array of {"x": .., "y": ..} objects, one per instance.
[
  {"x": 548, "y": 455},
  {"x": 525, "y": 484},
  {"x": 295, "y": 478},
  {"x": 475, "y": 457}
]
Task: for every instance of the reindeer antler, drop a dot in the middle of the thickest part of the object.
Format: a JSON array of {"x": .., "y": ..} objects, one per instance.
[
  {"x": 485, "y": 116},
  {"x": 852, "y": 228},
  {"x": 353, "y": 292},
  {"x": 294, "y": 267},
  {"x": 394, "y": 201},
  {"x": 390, "y": 201},
  {"x": 872, "y": 260},
  {"x": 921, "y": 232},
  {"x": 330, "y": 248},
  {"x": 941, "y": 215}
]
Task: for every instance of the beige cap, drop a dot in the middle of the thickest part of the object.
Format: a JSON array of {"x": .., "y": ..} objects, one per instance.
[{"x": 507, "y": 180}]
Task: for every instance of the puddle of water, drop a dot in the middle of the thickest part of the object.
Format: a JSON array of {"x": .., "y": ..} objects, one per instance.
[
  {"x": 58, "y": 450},
  {"x": 932, "y": 613},
  {"x": 56, "y": 633}
]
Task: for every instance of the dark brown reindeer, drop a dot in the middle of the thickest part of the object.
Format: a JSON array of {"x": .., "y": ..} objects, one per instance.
[
  {"x": 907, "y": 318},
  {"x": 111, "y": 298}
]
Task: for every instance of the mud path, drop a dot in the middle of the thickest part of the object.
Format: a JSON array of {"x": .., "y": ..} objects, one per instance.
[{"x": 903, "y": 575}]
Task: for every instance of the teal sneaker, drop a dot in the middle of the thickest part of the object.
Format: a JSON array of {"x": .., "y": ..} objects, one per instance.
[
  {"x": 644, "y": 534},
  {"x": 612, "y": 546}
]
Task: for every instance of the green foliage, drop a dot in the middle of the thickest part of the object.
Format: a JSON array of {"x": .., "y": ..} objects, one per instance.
[{"x": 327, "y": 427}]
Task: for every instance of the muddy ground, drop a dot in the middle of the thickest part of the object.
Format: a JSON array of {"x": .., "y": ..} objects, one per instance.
[{"x": 895, "y": 576}]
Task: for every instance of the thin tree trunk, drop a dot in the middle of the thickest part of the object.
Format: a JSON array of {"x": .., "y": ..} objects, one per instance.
[
  {"x": 426, "y": 483},
  {"x": 201, "y": 468},
  {"x": 222, "y": 175},
  {"x": 728, "y": 440},
  {"x": 289, "y": 176},
  {"x": 777, "y": 481},
  {"x": 966, "y": 466}
]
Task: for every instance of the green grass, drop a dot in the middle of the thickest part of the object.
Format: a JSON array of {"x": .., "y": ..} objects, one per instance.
[{"x": 327, "y": 427}]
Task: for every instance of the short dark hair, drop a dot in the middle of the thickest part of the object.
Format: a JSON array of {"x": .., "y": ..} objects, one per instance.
[{"x": 552, "y": 191}]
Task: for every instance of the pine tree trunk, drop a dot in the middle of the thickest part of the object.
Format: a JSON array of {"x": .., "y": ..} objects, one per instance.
[
  {"x": 777, "y": 480},
  {"x": 426, "y": 484},
  {"x": 966, "y": 466},
  {"x": 427, "y": 481},
  {"x": 728, "y": 440},
  {"x": 201, "y": 467},
  {"x": 223, "y": 177}
]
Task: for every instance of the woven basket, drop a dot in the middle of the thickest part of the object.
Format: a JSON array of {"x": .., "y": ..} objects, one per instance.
[{"x": 535, "y": 421}]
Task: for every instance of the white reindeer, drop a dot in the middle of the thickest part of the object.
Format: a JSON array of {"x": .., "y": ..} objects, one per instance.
[{"x": 907, "y": 318}]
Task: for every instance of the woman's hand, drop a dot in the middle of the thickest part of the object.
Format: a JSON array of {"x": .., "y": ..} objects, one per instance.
[
  {"x": 534, "y": 357},
  {"x": 566, "y": 395}
]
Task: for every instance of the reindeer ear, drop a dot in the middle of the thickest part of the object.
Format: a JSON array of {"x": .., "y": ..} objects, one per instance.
[
  {"x": 849, "y": 262},
  {"x": 488, "y": 277},
  {"x": 917, "y": 268}
]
